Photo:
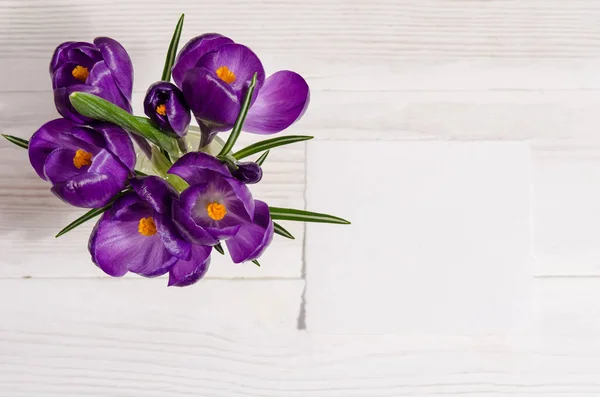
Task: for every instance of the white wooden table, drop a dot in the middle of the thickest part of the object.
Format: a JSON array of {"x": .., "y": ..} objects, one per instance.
[{"x": 461, "y": 137}]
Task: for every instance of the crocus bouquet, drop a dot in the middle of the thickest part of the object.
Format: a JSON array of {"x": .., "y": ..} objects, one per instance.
[{"x": 169, "y": 200}]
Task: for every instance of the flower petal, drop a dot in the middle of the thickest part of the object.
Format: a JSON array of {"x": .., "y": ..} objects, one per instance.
[
  {"x": 281, "y": 101},
  {"x": 44, "y": 141},
  {"x": 171, "y": 238},
  {"x": 80, "y": 137},
  {"x": 129, "y": 207},
  {"x": 59, "y": 166},
  {"x": 88, "y": 190},
  {"x": 104, "y": 162},
  {"x": 93, "y": 188},
  {"x": 63, "y": 54},
  {"x": 118, "y": 62},
  {"x": 240, "y": 60},
  {"x": 118, "y": 143},
  {"x": 157, "y": 192},
  {"x": 213, "y": 101},
  {"x": 196, "y": 198},
  {"x": 253, "y": 238},
  {"x": 178, "y": 112},
  {"x": 188, "y": 228},
  {"x": 102, "y": 77},
  {"x": 224, "y": 233},
  {"x": 64, "y": 107},
  {"x": 245, "y": 204},
  {"x": 117, "y": 247},
  {"x": 59, "y": 56},
  {"x": 187, "y": 272},
  {"x": 192, "y": 167},
  {"x": 84, "y": 54},
  {"x": 193, "y": 51},
  {"x": 63, "y": 76}
]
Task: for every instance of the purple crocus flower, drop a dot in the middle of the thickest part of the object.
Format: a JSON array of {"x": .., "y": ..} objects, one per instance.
[
  {"x": 217, "y": 206},
  {"x": 137, "y": 235},
  {"x": 102, "y": 68},
  {"x": 213, "y": 73},
  {"x": 164, "y": 104},
  {"x": 86, "y": 166}
]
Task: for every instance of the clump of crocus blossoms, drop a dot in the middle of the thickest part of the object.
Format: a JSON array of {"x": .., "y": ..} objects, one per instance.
[{"x": 192, "y": 201}]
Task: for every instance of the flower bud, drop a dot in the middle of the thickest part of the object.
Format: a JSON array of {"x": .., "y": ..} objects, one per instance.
[
  {"x": 248, "y": 172},
  {"x": 164, "y": 104}
]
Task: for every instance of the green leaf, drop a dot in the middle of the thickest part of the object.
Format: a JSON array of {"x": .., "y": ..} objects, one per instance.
[
  {"x": 17, "y": 141},
  {"x": 282, "y": 232},
  {"x": 262, "y": 158},
  {"x": 256, "y": 263},
  {"x": 90, "y": 215},
  {"x": 290, "y": 214},
  {"x": 172, "y": 52},
  {"x": 97, "y": 108},
  {"x": 237, "y": 127},
  {"x": 84, "y": 218},
  {"x": 140, "y": 173},
  {"x": 219, "y": 249},
  {"x": 270, "y": 143}
]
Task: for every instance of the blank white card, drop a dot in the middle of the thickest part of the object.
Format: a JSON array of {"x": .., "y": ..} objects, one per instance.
[{"x": 439, "y": 241}]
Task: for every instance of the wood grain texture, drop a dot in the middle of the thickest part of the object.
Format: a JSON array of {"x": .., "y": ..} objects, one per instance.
[
  {"x": 337, "y": 44},
  {"x": 79, "y": 340},
  {"x": 133, "y": 337},
  {"x": 548, "y": 116},
  {"x": 379, "y": 71},
  {"x": 386, "y": 29},
  {"x": 149, "y": 303}
]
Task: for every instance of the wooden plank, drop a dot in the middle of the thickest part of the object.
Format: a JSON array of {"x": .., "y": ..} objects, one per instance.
[
  {"x": 566, "y": 209},
  {"x": 122, "y": 337},
  {"x": 339, "y": 74},
  {"x": 439, "y": 242},
  {"x": 150, "y": 303},
  {"x": 377, "y": 45},
  {"x": 384, "y": 29},
  {"x": 546, "y": 117}
]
